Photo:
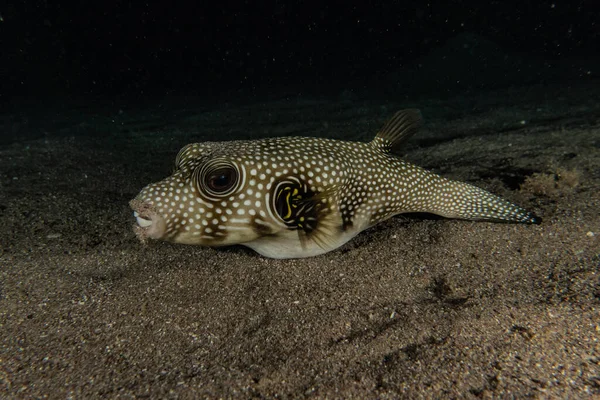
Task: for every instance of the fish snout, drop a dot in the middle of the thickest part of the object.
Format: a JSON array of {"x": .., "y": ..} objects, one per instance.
[{"x": 149, "y": 223}]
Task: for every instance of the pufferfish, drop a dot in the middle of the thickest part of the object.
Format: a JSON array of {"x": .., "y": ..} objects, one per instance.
[{"x": 294, "y": 197}]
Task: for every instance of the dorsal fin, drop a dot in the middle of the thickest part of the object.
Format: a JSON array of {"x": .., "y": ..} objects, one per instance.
[{"x": 398, "y": 130}]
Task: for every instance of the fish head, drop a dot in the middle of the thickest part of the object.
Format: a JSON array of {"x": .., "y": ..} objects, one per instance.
[{"x": 219, "y": 194}]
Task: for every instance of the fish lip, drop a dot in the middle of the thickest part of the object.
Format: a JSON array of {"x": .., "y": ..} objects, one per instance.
[
  {"x": 149, "y": 223},
  {"x": 144, "y": 222}
]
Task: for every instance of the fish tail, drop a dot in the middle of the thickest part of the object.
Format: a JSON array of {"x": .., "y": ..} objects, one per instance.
[{"x": 454, "y": 199}]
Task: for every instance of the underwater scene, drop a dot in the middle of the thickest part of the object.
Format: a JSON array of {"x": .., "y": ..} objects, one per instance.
[{"x": 300, "y": 200}]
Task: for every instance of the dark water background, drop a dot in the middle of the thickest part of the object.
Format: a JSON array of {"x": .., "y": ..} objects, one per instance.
[{"x": 61, "y": 58}]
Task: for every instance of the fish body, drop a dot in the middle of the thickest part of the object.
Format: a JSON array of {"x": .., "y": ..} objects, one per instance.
[{"x": 296, "y": 197}]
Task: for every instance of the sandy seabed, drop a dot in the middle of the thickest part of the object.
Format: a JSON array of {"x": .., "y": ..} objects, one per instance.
[{"x": 416, "y": 307}]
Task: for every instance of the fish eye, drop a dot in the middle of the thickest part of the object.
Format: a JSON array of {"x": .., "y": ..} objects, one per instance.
[
  {"x": 222, "y": 179},
  {"x": 217, "y": 179}
]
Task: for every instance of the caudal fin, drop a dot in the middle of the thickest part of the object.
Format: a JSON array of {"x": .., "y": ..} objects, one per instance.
[{"x": 460, "y": 200}]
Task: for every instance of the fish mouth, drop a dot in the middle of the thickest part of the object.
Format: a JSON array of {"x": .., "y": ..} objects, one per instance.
[
  {"x": 143, "y": 222},
  {"x": 149, "y": 223}
]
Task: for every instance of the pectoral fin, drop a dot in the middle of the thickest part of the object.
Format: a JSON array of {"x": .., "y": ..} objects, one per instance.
[{"x": 308, "y": 212}]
